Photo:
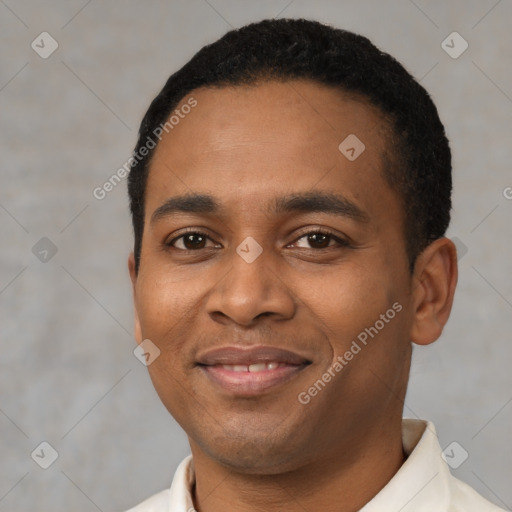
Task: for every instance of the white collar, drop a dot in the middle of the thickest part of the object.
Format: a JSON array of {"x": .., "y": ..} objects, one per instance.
[{"x": 422, "y": 484}]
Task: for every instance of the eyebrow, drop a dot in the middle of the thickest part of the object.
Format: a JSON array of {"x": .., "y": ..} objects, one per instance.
[{"x": 305, "y": 202}]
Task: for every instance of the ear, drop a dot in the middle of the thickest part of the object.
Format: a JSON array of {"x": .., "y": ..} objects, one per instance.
[
  {"x": 133, "y": 277},
  {"x": 434, "y": 282}
]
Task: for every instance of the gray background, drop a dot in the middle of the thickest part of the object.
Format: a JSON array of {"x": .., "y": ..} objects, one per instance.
[{"x": 68, "y": 375}]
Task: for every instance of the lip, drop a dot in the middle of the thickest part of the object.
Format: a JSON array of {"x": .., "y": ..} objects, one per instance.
[
  {"x": 247, "y": 383},
  {"x": 249, "y": 355}
]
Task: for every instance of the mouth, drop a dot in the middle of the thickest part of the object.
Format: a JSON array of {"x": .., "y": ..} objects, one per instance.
[{"x": 251, "y": 371}]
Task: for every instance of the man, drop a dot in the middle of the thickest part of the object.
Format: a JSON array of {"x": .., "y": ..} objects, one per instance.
[{"x": 290, "y": 191}]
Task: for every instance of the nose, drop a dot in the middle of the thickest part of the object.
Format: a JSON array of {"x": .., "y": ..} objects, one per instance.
[{"x": 251, "y": 289}]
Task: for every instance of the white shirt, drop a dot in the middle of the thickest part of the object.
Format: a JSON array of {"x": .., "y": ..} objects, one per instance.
[{"x": 422, "y": 484}]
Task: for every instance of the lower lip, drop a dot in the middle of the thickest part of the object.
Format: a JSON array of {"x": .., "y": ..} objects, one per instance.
[{"x": 251, "y": 383}]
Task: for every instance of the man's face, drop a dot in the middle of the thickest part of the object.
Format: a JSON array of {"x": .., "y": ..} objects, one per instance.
[{"x": 308, "y": 295}]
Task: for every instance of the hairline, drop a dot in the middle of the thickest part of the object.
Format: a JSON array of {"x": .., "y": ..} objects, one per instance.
[{"x": 387, "y": 131}]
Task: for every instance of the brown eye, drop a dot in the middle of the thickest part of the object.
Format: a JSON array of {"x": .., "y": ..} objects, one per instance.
[
  {"x": 321, "y": 240},
  {"x": 190, "y": 241}
]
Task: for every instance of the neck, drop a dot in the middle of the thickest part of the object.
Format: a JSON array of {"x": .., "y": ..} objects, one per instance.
[{"x": 344, "y": 479}]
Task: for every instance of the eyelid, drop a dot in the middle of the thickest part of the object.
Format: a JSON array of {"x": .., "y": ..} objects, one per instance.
[
  {"x": 340, "y": 240},
  {"x": 195, "y": 231}
]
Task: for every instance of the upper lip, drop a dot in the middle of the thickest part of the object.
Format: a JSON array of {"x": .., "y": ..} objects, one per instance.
[{"x": 250, "y": 355}]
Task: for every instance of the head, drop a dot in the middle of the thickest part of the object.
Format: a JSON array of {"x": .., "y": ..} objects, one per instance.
[
  {"x": 417, "y": 161},
  {"x": 318, "y": 155}
]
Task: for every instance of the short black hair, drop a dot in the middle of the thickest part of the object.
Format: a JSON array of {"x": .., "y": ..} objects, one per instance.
[{"x": 418, "y": 168}]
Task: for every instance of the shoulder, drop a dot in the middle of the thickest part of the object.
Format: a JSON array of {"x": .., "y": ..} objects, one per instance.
[
  {"x": 157, "y": 503},
  {"x": 466, "y": 499},
  {"x": 175, "y": 498}
]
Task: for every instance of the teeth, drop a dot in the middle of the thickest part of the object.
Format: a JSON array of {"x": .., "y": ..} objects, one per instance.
[
  {"x": 259, "y": 367},
  {"x": 256, "y": 367}
]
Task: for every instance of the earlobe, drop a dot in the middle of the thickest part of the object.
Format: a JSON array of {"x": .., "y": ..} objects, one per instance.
[
  {"x": 133, "y": 276},
  {"x": 434, "y": 281}
]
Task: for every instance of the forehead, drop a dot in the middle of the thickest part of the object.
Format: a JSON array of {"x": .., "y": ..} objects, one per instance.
[
  {"x": 251, "y": 142},
  {"x": 306, "y": 116}
]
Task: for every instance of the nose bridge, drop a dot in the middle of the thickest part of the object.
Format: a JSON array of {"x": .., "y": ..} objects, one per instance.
[
  {"x": 252, "y": 267},
  {"x": 251, "y": 286}
]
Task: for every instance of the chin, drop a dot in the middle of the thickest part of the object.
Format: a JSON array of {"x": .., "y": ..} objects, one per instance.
[{"x": 255, "y": 456}]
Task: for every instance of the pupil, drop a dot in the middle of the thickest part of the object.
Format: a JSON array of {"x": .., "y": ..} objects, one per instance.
[
  {"x": 189, "y": 240},
  {"x": 314, "y": 239}
]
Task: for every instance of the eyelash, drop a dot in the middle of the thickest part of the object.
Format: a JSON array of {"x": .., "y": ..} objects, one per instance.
[{"x": 339, "y": 241}]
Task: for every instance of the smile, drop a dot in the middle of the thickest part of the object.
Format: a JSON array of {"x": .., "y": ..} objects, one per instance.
[
  {"x": 250, "y": 371},
  {"x": 256, "y": 367}
]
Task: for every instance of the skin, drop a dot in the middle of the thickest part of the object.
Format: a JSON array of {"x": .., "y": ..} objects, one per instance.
[{"x": 245, "y": 146}]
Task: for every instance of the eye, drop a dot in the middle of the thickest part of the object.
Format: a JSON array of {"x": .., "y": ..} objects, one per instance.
[
  {"x": 190, "y": 241},
  {"x": 196, "y": 240},
  {"x": 320, "y": 239}
]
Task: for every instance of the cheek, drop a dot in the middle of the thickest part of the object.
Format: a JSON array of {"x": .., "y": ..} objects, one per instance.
[
  {"x": 166, "y": 307},
  {"x": 349, "y": 299},
  {"x": 163, "y": 304}
]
